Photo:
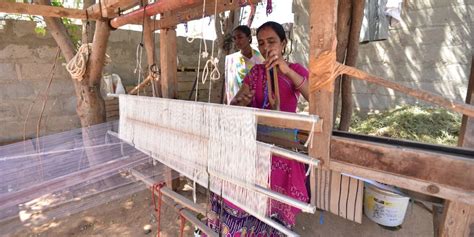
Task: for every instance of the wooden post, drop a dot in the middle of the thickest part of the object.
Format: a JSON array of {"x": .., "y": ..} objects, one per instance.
[
  {"x": 322, "y": 42},
  {"x": 148, "y": 38},
  {"x": 168, "y": 51},
  {"x": 457, "y": 217},
  {"x": 169, "y": 80},
  {"x": 466, "y": 135}
]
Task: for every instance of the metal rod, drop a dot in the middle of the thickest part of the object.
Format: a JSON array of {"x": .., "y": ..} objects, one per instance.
[
  {"x": 290, "y": 154},
  {"x": 305, "y": 207}
]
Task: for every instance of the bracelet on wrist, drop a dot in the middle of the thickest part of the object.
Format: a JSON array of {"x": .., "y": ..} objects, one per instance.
[{"x": 301, "y": 84}]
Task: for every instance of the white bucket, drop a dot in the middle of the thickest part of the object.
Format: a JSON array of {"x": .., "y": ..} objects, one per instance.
[{"x": 384, "y": 207}]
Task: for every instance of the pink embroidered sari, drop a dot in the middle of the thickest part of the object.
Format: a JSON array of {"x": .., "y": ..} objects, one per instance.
[{"x": 287, "y": 176}]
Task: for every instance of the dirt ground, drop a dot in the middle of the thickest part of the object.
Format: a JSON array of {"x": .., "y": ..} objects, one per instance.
[{"x": 129, "y": 215}]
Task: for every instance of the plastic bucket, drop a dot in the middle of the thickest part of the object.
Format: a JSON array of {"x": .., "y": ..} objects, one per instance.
[{"x": 384, "y": 207}]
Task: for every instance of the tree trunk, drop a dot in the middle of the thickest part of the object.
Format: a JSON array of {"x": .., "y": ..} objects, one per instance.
[
  {"x": 90, "y": 105},
  {"x": 344, "y": 9},
  {"x": 351, "y": 60}
]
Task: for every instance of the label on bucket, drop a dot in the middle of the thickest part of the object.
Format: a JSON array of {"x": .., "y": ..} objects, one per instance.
[{"x": 387, "y": 210}]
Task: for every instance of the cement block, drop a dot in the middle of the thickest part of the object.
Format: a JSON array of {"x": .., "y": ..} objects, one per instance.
[
  {"x": 7, "y": 73},
  {"x": 456, "y": 14},
  {"x": 62, "y": 123},
  {"x": 53, "y": 107},
  {"x": 15, "y": 52},
  {"x": 17, "y": 90},
  {"x": 7, "y": 111},
  {"x": 428, "y": 4}
]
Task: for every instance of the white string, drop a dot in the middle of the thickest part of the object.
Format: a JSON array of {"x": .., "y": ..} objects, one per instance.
[
  {"x": 215, "y": 145},
  {"x": 311, "y": 134},
  {"x": 190, "y": 40},
  {"x": 138, "y": 65},
  {"x": 213, "y": 62},
  {"x": 310, "y": 167},
  {"x": 77, "y": 65}
]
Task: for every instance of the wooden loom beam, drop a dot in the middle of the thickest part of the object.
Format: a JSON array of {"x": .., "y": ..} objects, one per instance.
[
  {"x": 151, "y": 10},
  {"x": 46, "y": 11},
  {"x": 417, "y": 170},
  {"x": 110, "y": 7},
  {"x": 193, "y": 13}
]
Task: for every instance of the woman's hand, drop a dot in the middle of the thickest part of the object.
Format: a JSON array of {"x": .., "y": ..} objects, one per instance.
[
  {"x": 274, "y": 58},
  {"x": 244, "y": 96}
]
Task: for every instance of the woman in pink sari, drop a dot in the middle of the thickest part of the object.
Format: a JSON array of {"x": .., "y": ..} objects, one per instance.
[{"x": 287, "y": 176}]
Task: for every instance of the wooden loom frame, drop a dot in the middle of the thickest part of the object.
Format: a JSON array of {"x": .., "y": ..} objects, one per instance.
[{"x": 376, "y": 161}]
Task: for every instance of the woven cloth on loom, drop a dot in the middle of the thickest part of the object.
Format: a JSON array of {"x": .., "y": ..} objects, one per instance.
[{"x": 201, "y": 141}]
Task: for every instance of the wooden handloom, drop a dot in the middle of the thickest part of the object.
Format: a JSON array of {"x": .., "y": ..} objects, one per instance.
[{"x": 450, "y": 177}]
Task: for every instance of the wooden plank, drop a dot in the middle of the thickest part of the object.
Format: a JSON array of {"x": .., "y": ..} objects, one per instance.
[
  {"x": 193, "y": 13},
  {"x": 351, "y": 206},
  {"x": 456, "y": 219},
  {"x": 155, "y": 8},
  {"x": 411, "y": 163},
  {"x": 276, "y": 122},
  {"x": 110, "y": 7},
  {"x": 335, "y": 192},
  {"x": 344, "y": 197},
  {"x": 416, "y": 185},
  {"x": 358, "y": 199},
  {"x": 46, "y": 11}
]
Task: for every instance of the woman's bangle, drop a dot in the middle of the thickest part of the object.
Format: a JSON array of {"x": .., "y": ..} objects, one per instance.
[{"x": 301, "y": 84}]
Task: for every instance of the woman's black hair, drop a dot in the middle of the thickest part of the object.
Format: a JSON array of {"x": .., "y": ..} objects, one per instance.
[
  {"x": 244, "y": 29},
  {"x": 277, "y": 27}
]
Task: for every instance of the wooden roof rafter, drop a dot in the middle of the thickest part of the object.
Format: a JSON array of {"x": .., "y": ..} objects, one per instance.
[{"x": 47, "y": 11}]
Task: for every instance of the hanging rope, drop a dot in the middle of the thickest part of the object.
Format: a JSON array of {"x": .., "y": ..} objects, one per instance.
[
  {"x": 139, "y": 52},
  {"x": 78, "y": 64},
  {"x": 212, "y": 62}
]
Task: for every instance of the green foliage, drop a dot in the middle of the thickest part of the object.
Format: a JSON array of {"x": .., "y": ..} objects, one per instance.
[
  {"x": 40, "y": 29},
  {"x": 417, "y": 123}
]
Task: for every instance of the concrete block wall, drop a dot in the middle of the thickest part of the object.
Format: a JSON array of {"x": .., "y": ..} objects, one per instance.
[
  {"x": 26, "y": 60},
  {"x": 430, "y": 50}
]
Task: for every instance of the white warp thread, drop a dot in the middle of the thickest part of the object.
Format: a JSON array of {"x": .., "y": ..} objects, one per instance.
[{"x": 201, "y": 140}]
